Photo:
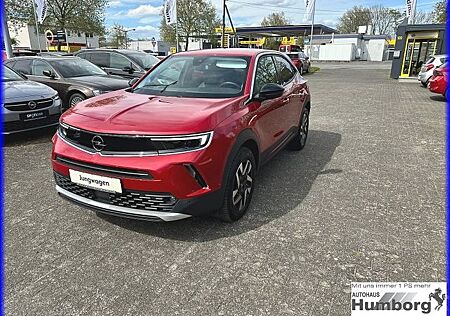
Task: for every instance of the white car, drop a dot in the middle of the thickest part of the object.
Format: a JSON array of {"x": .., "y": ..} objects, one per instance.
[{"x": 426, "y": 72}]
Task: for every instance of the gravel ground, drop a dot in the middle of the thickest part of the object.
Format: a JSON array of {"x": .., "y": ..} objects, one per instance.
[{"x": 365, "y": 201}]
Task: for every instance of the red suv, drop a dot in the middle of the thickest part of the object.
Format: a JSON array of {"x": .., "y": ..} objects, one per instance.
[{"x": 186, "y": 139}]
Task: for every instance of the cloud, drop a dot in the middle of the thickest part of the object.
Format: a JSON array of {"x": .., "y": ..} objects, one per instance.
[
  {"x": 147, "y": 31},
  {"x": 114, "y": 3},
  {"x": 144, "y": 11}
]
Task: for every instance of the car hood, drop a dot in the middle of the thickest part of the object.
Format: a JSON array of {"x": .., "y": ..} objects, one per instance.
[
  {"x": 103, "y": 83},
  {"x": 26, "y": 90},
  {"x": 124, "y": 112}
]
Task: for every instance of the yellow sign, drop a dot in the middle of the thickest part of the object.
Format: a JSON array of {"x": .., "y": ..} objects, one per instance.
[
  {"x": 228, "y": 29},
  {"x": 226, "y": 42},
  {"x": 173, "y": 50},
  {"x": 392, "y": 42},
  {"x": 289, "y": 41},
  {"x": 258, "y": 42}
]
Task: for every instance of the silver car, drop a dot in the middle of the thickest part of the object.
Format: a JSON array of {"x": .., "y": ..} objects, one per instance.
[
  {"x": 28, "y": 105},
  {"x": 426, "y": 72}
]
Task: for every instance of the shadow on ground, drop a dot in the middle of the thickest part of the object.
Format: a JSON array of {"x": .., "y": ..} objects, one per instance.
[
  {"x": 282, "y": 185},
  {"x": 438, "y": 97},
  {"x": 38, "y": 136}
]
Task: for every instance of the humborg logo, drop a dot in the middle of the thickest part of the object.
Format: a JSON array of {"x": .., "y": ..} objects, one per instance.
[{"x": 400, "y": 301}]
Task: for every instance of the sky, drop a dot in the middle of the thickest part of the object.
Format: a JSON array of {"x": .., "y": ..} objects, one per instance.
[{"x": 144, "y": 15}]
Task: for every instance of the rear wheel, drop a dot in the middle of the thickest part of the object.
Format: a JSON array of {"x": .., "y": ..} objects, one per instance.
[
  {"x": 239, "y": 186},
  {"x": 299, "y": 141}
]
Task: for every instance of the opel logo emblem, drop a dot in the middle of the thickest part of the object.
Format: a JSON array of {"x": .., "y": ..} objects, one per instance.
[
  {"x": 32, "y": 105},
  {"x": 97, "y": 143}
]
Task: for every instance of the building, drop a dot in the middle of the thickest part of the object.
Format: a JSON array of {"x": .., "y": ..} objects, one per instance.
[
  {"x": 349, "y": 47},
  {"x": 161, "y": 48},
  {"x": 27, "y": 38},
  {"x": 415, "y": 43}
]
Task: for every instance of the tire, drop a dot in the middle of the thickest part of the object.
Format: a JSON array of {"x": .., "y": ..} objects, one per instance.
[
  {"x": 299, "y": 141},
  {"x": 307, "y": 69},
  {"x": 425, "y": 84},
  {"x": 240, "y": 184},
  {"x": 301, "y": 71},
  {"x": 76, "y": 98}
]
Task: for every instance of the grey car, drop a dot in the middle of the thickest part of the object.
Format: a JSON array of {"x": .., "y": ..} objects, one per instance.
[{"x": 28, "y": 105}]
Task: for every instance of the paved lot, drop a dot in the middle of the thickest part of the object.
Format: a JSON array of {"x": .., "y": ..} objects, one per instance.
[{"x": 363, "y": 202}]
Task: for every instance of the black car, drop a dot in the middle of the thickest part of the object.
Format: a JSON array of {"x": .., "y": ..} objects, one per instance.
[
  {"x": 74, "y": 78},
  {"x": 122, "y": 62}
]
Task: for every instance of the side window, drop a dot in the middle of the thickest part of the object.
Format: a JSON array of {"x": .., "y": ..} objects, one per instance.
[
  {"x": 82, "y": 55},
  {"x": 285, "y": 71},
  {"x": 119, "y": 61},
  {"x": 100, "y": 59},
  {"x": 265, "y": 73},
  {"x": 23, "y": 66},
  {"x": 38, "y": 67}
]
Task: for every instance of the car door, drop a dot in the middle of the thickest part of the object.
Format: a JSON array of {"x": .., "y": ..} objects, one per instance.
[
  {"x": 287, "y": 77},
  {"x": 269, "y": 113},
  {"x": 122, "y": 66}
]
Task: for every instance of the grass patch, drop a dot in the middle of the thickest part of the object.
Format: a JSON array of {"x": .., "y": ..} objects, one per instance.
[{"x": 312, "y": 70}]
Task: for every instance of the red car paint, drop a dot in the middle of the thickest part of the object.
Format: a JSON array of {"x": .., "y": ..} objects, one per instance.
[
  {"x": 127, "y": 113},
  {"x": 438, "y": 83}
]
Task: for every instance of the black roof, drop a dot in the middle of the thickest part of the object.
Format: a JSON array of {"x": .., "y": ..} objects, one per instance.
[{"x": 284, "y": 30}]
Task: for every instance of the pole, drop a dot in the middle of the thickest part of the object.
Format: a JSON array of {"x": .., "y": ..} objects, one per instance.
[
  {"x": 37, "y": 26},
  {"x": 67, "y": 39},
  {"x": 312, "y": 30},
  {"x": 176, "y": 34},
  {"x": 223, "y": 24},
  {"x": 232, "y": 26},
  {"x": 6, "y": 37}
]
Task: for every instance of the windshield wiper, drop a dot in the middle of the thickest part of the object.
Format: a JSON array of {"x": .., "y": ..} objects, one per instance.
[{"x": 165, "y": 86}]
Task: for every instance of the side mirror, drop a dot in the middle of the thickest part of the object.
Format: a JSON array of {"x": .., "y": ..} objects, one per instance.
[
  {"x": 306, "y": 57},
  {"x": 132, "y": 81},
  {"x": 128, "y": 69},
  {"x": 49, "y": 73},
  {"x": 270, "y": 91}
]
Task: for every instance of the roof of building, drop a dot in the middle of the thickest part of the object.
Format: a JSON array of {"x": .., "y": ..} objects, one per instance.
[{"x": 284, "y": 30}]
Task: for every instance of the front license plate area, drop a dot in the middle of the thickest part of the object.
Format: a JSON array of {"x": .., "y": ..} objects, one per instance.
[
  {"x": 92, "y": 181},
  {"x": 33, "y": 116}
]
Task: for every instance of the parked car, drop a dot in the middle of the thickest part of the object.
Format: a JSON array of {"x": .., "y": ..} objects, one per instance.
[
  {"x": 300, "y": 61},
  {"x": 122, "y": 62},
  {"x": 438, "y": 83},
  {"x": 185, "y": 140},
  {"x": 27, "y": 105},
  {"x": 426, "y": 72},
  {"x": 74, "y": 78}
]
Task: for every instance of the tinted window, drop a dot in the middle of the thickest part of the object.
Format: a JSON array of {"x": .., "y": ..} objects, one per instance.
[
  {"x": 23, "y": 66},
  {"x": 285, "y": 71},
  {"x": 38, "y": 67},
  {"x": 100, "y": 59},
  {"x": 265, "y": 73},
  {"x": 10, "y": 75},
  {"x": 76, "y": 67},
  {"x": 119, "y": 61},
  {"x": 197, "y": 76},
  {"x": 144, "y": 60}
]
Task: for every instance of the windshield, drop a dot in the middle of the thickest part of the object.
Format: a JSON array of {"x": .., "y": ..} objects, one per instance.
[
  {"x": 144, "y": 60},
  {"x": 10, "y": 75},
  {"x": 76, "y": 67},
  {"x": 197, "y": 76}
]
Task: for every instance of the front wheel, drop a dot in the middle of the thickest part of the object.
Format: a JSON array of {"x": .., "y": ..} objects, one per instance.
[
  {"x": 239, "y": 186},
  {"x": 76, "y": 98},
  {"x": 299, "y": 141}
]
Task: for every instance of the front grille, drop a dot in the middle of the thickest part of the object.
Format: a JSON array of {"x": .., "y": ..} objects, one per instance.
[
  {"x": 24, "y": 106},
  {"x": 140, "y": 200},
  {"x": 112, "y": 143},
  {"x": 108, "y": 171},
  {"x": 23, "y": 125}
]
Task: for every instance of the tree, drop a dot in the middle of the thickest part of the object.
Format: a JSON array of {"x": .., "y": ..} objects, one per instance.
[
  {"x": 196, "y": 18},
  {"x": 117, "y": 36},
  {"x": 384, "y": 20},
  {"x": 275, "y": 19},
  {"x": 423, "y": 17},
  {"x": 85, "y": 15},
  {"x": 351, "y": 19},
  {"x": 440, "y": 12}
]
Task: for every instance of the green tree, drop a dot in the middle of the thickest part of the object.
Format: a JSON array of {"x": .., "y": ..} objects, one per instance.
[
  {"x": 440, "y": 12},
  {"x": 384, "y": 20},
  {"x": 85, "y": 15},
  {"x": 116, "y": 36},
  {"x": 351, "y": 19},
  {"x": 196, "y": 18},
  {"x": 275, "y": 19}
]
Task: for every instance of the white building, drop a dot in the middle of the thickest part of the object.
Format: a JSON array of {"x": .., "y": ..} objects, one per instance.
[
  {"x": 27, "y": 38},
  {"x": 160, "y": 47},
  {"x": 349, "y": 47}
]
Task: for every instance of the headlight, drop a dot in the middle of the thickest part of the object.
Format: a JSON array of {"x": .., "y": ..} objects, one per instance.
[
  {"x": 178, "y": 144},
  {"x": 63, "y": 130},
  {"x": 97, "y": 92},
  {"x": 55, "y": 97}
]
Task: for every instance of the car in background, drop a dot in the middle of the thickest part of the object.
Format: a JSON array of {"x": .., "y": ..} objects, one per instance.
[
  {"x": 187, "y": 139},
  {"x": 426, "y": 72},
  {"x": 74, "y": 78},
  {"x": 289, "y": 48},
  {"x": 300, "y": 61},
  {"x": 27, "y": 105},
  {"x": 438, "y": 83},
  {"x": 121, "y": 62}
]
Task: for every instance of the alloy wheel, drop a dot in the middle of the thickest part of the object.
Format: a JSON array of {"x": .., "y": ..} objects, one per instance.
[
  {"x": 304, "y": 126},
  {"x": 243, "y": 185},
  {"x": 75, "y": 100}
]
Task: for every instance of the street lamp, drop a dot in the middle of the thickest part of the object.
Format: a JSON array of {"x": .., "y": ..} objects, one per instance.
[{"x": 126, "y": 34}]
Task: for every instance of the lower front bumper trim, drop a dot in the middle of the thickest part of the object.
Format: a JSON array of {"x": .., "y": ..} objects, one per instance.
[{"x": 122, "y": 211}]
